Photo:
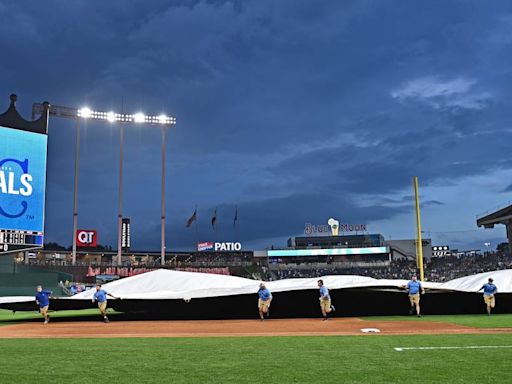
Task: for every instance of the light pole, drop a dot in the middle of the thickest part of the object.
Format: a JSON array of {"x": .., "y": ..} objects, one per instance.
[
  {"x": 86, "y": 113},
  {"x": 139, "y": 118},
  {"x": 120, "y": 197},
  {"x": 68, "y": 113},
  {"x": 487, "y": 245},
  {"x": 162, "y": 243},
  {"x": 75, "y": 191}
]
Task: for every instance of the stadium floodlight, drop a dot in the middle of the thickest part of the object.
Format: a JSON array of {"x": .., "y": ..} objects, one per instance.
[
  {"x": 85, "y": 113},
  {"x": 111, "y": 116},
  {"x": 162, "y": 120},
  {"x": 139, "y": 118}
]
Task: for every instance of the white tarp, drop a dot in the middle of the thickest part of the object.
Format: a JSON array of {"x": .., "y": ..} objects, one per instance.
[
  {"x": 16, "y": 299},
  {"x": 169, "y": 284},
  {"x": 502, "y": 280}
]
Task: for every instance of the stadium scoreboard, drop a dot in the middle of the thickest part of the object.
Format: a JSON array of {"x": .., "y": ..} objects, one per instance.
[
  {"x": 22, "y": 189},
  {"x": 12, "y": 240}
]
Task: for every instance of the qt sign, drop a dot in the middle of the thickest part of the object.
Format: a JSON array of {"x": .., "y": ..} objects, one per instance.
[{"x": 86, "y": 238}]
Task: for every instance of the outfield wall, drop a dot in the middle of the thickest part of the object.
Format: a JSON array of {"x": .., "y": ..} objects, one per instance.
[{"x": 304, "y": 304}]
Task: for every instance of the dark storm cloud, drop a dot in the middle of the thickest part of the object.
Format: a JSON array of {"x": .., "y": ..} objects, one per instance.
[
  {"x": 291, "y": 110},
  {"x": 508, "y": 189},
  {"x": 433, "y": 155}
]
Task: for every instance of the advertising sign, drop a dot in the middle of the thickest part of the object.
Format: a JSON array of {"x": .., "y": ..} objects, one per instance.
[
  {"x": 205, "y": 246},
  {"x": 333, "y": 227},
  {"x": 125, "y": 234},
  {"x": 22, "y": 189},
  {"x": 328, "y": 252},
  {"x": 218, "y": 246},
  {"x": 86, "y": 238}
]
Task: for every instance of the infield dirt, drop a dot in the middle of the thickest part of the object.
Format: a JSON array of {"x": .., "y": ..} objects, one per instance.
[{"x": 213, "y": 328}]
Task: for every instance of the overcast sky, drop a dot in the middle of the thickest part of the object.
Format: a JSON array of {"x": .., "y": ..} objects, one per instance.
[{"x": 293, "y": 111}]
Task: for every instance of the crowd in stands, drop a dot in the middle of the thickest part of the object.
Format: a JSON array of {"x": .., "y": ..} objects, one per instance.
[
  {"x": 448, "y": 268},
  {"x": 70, "y": 288},
  {"x": 437, "y": 269}
]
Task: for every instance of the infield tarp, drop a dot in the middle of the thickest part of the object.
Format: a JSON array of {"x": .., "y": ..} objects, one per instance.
[
  {"x": 166, "y": 284},
  {"x": 189, "y": 295}
]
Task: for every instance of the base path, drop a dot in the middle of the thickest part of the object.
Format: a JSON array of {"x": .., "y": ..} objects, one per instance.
[{"x": 212, "y": 328}]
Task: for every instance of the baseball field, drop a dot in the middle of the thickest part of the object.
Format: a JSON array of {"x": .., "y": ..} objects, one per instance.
[{"x": 431, "y": 349}]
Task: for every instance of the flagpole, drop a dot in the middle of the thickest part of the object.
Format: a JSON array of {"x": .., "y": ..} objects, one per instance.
[
  {"x": 197, "y": 232},
  {"x": 235, "y": 224},
  {"x": 214, "y": 221}
]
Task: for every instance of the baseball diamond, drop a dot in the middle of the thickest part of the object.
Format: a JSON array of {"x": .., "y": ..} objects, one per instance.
[{"x": 229, "y": 191}]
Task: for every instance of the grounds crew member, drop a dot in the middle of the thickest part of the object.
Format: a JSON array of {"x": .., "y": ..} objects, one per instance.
[
  {"x": 43, "y": 301},
  {"x": 325, "y": 300},
  {"x": 264, "y": 300},
  {"x": 414, "y": 288},
  {"x": 489, "y": 291},
  {"x": 101, "y": 297}
]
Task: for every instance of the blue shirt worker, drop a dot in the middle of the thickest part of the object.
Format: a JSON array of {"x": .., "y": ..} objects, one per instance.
[
  {"x": 264, "y": 300},
  {"x": 325, "y": 300},
  {"x": 43, "y": 301},
  {"x": 414, "y": 288},
  {"x": 101, "y": 297},
  {"x": 490, "y": 291}
]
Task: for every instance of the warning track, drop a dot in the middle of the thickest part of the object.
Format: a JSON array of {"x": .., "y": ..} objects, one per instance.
[{"x": 226, "y": 328}]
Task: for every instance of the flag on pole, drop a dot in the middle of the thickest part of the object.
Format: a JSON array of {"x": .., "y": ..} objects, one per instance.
[
  {"x": 192, "y": 219},
  {"x": 214, "y": 219},
  {"x": 235, "y": 220}
]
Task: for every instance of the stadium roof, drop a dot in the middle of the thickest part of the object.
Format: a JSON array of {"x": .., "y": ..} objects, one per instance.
[{"x": 501, "y": 216}]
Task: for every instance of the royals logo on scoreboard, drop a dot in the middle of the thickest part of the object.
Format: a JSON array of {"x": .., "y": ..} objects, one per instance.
[{"x": 22, "y": 179}]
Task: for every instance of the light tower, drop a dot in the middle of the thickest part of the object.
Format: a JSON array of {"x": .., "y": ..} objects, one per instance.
[{"x": 111, "y": 117}]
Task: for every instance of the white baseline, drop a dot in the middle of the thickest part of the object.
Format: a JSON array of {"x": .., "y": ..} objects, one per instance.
[{"x": 401, "y": 349}]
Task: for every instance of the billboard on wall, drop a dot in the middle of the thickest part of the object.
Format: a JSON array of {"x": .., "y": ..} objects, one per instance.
[
  {"x": 86, "y": 238},
  {"x": 218, "y": 246},
  {"x": 22, "y": 186},
  {"x": 328, "y": 252},
  {"x": 126, "y": 234}
]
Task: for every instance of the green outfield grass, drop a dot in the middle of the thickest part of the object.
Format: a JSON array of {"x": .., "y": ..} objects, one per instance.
[
  {"x": 335, "y": 359},
  {"x": 7, "y": 317},
  {"x": 476, "y": 321}
]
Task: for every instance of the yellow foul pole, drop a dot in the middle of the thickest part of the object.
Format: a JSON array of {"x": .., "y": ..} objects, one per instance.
[{"x": 419, "y": 242}]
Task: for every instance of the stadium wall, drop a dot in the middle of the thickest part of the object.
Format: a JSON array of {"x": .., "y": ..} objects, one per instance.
[{"x": 20, "y": 279}]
